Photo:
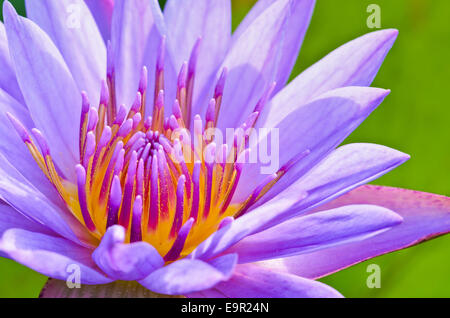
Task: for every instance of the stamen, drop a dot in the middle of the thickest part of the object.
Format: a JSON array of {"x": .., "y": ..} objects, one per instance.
[
  {"x": 211, "y": 114},
  {"x": 166, "y": 191},
  {"x": 115, "y": 199},
  {"x": 182, "y": 90},
  {"x": 256, "y": 194},
  {"x": 158, "y": 112},
  {"x": 101, "y": 147},
  {"x": 181, "y": 162},
  {"x": 173, "y": 123},
  {"x": 125, "y": 211},
  {"x": 209, "y": 162},
  {"x": 90, "y": 149},
  {"x": 178, "y": 246},
  {"x": 93, "y": 119},
  {"x": 114, "y": 167},
  {"x": 125, "y": 128},
  {"x": 265, "y": 98},
  {"x": 225, "y": 222},
  {"x": 267, "y": 184},
  {"x": 136, "y": 107},
  {"x": 159, "y": 74},
  {"x": 191, "y": 79},
  {"x": 52, "y": 175},
  {"x": 121, "y": 115},
  {"x": 176, "y": 225},
  {"x": 136, "y": 234},
  {"x": 143, "y": 84},
  {"x": 21, "y": 130},
  {"x": 196, "y": 193},
  {"x": 154, "y": 197},
  {"x": 136, "y": 121},
  {"x": 81, "y": 182},
  {"x": 111, "y": 81},
  {"x": 140, "y": 178},
  {"x": 198, "y": 137},
  {"x": 104, "y": 97},
  {"x": 218, "y": 93},
  {"x": 45, "y": 150},
  {"x": 85, "y": 106},
  {"x": 236, "y": 176}
]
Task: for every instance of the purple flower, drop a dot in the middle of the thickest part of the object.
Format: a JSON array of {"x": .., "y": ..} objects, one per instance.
[{"x": 105, "y": 183}]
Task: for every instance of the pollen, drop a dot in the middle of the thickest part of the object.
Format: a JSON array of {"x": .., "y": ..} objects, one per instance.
[{"x": 160, "y": 179}]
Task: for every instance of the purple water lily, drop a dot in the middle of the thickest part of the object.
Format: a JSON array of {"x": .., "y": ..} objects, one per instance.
[{"x": 92, "y": 173}]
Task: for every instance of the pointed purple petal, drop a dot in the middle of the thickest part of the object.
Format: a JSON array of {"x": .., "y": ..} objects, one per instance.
[
  {"x": 11, "y": 218},
  {"x": 325, "y": 122},
  {"x": 315, "y": 232},
  {"x": 353, "y": 64},
  {"x": 15, "y": 151},
  {"x": 72, "y": 28},
  {"x": 186, "y": 22},
  {"x": 425, "y": 216},
  {"x": 135, "y": 30},
  {"x": 296, "y": 25},
  {"x": 343, "y": 170},
  {"x": 51, "y": 256},
  {"x": 252, "y": 63},
  {"x": 26, "y": 198},
  {"x": 8, "y": 81},
  {"x": 49, "y": 90},
  {"x": 102, "y": 11},
  {"x": 250, "y": 281}
]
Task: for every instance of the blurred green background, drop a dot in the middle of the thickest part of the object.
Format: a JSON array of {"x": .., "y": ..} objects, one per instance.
[{"x": 413, "y": 119}]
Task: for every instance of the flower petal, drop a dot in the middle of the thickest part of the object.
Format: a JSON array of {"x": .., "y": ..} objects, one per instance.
[
  {"x": 125, "y": 261},
  {"x": 250, "y": 281},
  {"x": 425, "y": 216},
  {"x": 190, "y": 275},
  {"x": 253, "y": 63},
  {"x": 325, "y": 122},
  {"x": 135, "y": 23},
  {"x": 296, "y": 24},
  {"x": 49, "y": 90},
  {"x": 10, "y": 218},
  {"x": 70, "y": 25},
  {"x": 316, "y": 232},
  {"x": 258, "y": 8},
  {"x": 25, "y": 198},
  {"x": 157, "y": 37},
  {"x": 15, "y": 151},
  {"x": 102, "y": 11},
  {"x": 344, "y": 169},
  {"x": 353, "y": 64},
  {"x": 50, "y": 256},
  {"x": 8, "y": 81},
  {"x": 190, "y": 19}
]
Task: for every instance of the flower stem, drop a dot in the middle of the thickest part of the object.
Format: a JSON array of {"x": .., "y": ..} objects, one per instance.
[{"x": 120, "y": 289}]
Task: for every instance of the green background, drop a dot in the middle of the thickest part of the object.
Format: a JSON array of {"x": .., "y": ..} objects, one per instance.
[{"x": 413, "y": 119}]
